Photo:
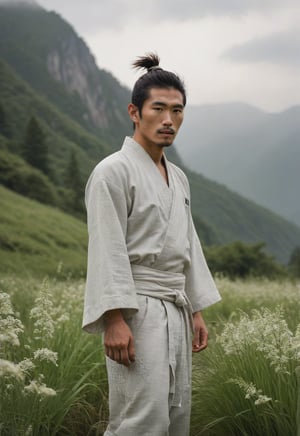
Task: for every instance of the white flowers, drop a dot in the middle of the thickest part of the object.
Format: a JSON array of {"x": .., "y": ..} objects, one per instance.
[
  {"x": 25, "y": 376},
  {"x": 39, "y": 389},
  {"x": 267, "y": 332},
  {"x": 250, "y": 391},
  {"x": 10, "y": 326},
  {"x": 41, "y": 313},
  {"x": 9, "y": 369},
  {"x": 44, "y": 354},
  {"x": 26, "y": 366}
]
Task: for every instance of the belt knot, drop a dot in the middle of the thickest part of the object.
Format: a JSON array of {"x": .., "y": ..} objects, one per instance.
[{"x": 180, "y": 299}]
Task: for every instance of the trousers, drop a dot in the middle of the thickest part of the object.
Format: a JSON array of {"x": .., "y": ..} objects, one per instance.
[{"x": 152, "y": 397}]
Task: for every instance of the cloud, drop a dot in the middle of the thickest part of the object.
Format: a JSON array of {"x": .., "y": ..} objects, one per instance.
[
  {"x": 94, "y": 14},
  {"x": 191, "y": 9},
  {"x": 278, "y": 48}
]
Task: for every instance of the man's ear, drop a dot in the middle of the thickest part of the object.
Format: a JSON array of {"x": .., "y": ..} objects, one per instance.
[{"x": 133, "y": 113}]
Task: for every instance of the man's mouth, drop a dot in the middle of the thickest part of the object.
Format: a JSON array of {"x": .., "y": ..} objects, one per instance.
[{"x": 166, "y": 131}]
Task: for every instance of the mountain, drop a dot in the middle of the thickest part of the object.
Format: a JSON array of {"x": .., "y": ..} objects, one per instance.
[
  {"x": 47, "y": 72},
  {"x": 254, "y": 153},
  {"x": 47, "y": 53}
]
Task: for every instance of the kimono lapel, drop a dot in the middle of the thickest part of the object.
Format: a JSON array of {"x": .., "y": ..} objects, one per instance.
[{"x": 163, "y": 191}]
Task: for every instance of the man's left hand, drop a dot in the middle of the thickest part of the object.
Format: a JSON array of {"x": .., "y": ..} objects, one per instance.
[{"x": 200, "y": 339}]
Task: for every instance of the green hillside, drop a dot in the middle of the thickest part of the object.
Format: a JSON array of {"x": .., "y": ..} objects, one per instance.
[
  {"x": 86, "y": 124},
  {"x": 37, "y": 239},
  {"x": 233, "y": 218}
]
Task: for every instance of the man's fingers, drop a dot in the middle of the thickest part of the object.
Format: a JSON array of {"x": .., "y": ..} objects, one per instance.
[
  {"x": 200, "y": 340},
  {"x": 120, "y": 355},
  {"x": 203, "y": 339},
  {"x": 131, "y": 350},
  {"x": 124, "y": 359}
]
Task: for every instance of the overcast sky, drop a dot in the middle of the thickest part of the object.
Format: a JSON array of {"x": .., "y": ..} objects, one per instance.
[{"x": 225, "y": 50}]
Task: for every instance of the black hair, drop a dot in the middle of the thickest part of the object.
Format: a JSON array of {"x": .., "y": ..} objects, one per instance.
[{"x": 155, "y": 77}]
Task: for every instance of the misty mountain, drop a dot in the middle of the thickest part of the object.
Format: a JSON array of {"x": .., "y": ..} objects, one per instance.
[
  {"x": 47, "y": 53},
  {"x": 47, "y": 71},
  {"x": 255, "y": 153}
]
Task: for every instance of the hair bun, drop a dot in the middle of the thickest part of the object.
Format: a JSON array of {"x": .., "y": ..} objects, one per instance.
[
  {"x": 149, "y": 62},
  {"x": 154, "y": 68}
]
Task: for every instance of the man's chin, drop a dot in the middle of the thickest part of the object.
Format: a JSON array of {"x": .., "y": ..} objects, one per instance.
[{"x": 165, "y": 144}]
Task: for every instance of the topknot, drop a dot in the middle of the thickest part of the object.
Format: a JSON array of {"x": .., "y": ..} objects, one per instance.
[{"x": 149, "y": 62}]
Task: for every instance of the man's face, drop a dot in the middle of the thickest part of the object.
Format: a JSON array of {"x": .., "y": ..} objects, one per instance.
[{"x": 161, "y": 118}]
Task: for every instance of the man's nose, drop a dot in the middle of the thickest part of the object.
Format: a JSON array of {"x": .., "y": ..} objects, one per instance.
[{"x": 167, "y": 119}]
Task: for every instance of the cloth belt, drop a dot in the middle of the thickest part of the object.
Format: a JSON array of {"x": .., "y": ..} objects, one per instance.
[{"x": 166, "y": 286}]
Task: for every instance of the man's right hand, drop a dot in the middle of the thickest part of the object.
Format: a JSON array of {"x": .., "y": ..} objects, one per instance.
[{"x": 118, "y": 338}]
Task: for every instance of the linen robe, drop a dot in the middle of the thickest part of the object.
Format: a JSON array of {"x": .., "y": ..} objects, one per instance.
[{"x": 144, "y": 255}]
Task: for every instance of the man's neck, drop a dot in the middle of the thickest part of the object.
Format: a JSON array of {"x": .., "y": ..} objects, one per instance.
[{"x": 155, "y": 152}]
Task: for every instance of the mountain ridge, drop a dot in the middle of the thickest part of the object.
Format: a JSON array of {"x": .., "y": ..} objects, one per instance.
[
  {"x": 257, "y": 155},
  {"x": 220, "y": 215}
]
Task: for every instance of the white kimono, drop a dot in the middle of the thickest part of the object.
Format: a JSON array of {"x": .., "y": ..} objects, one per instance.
[{"x": 144, "y": 257}]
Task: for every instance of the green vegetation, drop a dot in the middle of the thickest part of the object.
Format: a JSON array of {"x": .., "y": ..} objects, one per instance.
[
  {"x": 34, "y": 148},
  {"x": 36, "y": 240},
  {"x": 73, "y": 182},
  {"x": 294, "y": 262},
  {"x": 52, "y": 376},
  {"x": 15, "y": 174},
  {"x": 233, "y": 218},
  {"x": 242, "y": 260},
  {"x": 4, "y": 126},
  {"x": 245, "y": 382},
  {"x": 53, "y": 379},
  {"x": 63, "y": 134}
]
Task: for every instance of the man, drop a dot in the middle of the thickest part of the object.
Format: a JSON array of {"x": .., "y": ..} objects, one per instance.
[{"x": 147, "y": 279}]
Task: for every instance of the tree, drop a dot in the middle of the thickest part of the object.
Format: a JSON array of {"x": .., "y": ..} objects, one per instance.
[
  {"x": 243, "y": 260},
  {"x": 294, "y": 262},
  {"x": 35, "y": 150},
  {"x": 74, "y": 183},
  {"x": 4, "y": 126}
]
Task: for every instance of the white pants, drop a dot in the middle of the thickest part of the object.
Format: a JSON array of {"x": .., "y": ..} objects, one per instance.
[{"x": 152, "y": 397}]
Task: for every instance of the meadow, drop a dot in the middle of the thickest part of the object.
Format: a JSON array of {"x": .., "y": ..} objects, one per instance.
[{"x": 52, "y": 375}]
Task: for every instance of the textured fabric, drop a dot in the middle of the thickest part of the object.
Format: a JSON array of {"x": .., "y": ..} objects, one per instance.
[
  {"x": 142, "y": 398},
  {"x": 168, "y": 287},
  {"x": 134, "y": 217},
  {"x": 145, "y": 258}
]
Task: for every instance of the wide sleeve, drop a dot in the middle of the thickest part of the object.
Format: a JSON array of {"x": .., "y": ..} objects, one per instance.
[
  {"x": 109, "y": 283},
  {"x": 199, "y": 286}
]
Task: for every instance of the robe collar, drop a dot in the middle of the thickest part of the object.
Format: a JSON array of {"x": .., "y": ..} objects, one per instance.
[{"x": 131, "y": 146}]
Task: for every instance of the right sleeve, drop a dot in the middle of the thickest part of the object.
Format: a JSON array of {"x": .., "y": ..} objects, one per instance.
[{"x": 109, "y": 283}]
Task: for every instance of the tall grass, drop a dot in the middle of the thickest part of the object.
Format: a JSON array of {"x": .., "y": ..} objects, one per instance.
[
  {"x": 53, "y": 380},
  {"x": 52, "y": 376},
  {"x": 245, "y": 383}
]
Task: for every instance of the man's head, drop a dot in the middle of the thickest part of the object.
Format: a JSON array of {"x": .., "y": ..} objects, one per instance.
[
  {"x": 155, "y": 77},
  {"x": 157, "y": 105}
]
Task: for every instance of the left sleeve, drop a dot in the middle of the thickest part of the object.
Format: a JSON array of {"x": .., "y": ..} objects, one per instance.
[{"x": 199, "y": 286}]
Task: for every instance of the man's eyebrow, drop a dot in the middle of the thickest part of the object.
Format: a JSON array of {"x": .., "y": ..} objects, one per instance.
[{"x": 160, "y": 103}]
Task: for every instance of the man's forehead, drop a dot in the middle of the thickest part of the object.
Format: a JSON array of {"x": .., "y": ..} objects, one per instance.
[{"x": 165, "y": 95}]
